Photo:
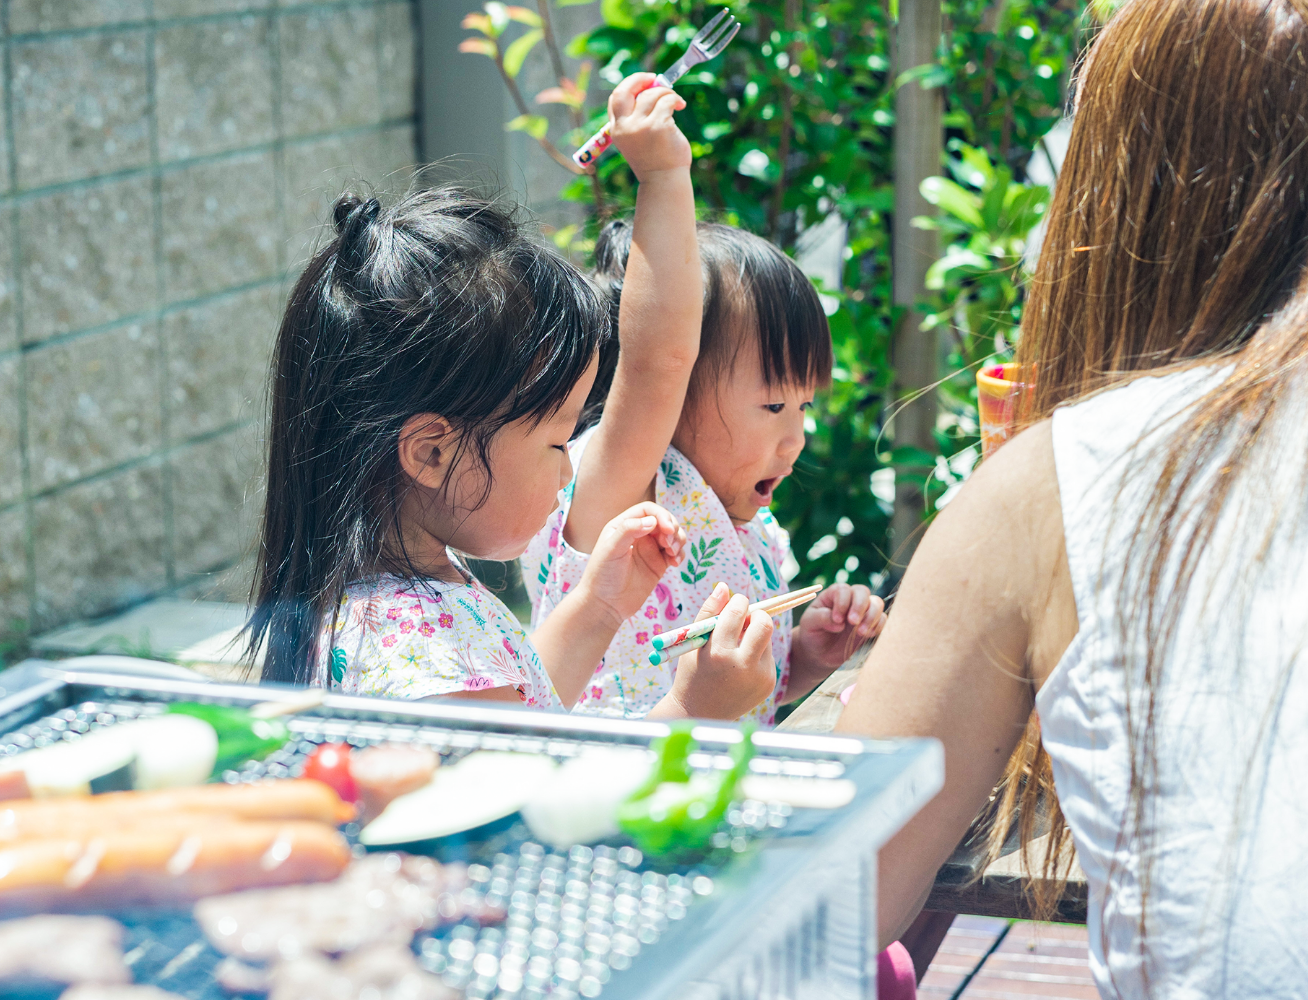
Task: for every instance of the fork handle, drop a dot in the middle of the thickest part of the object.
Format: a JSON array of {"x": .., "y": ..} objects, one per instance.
[{"x": 593, "y": 148}]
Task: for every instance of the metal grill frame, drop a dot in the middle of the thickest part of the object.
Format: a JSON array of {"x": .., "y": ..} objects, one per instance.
[{"x": 794, "y": 919}]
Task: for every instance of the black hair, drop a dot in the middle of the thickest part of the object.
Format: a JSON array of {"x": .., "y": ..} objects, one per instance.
[
  {"x": 750, "y": 286},
  {"x": 441, "y": 304}
]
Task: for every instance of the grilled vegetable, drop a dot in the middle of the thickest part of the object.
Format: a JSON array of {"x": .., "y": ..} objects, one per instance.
[
  {"x": 330, "y": 764},
  {"x": 676, "y": 810},
  {"x": 241, "y": 735},
  {"x": 578, "y": 804},
  {"x": 100, "y": 761},
  {"x": 483, "y": 787}
]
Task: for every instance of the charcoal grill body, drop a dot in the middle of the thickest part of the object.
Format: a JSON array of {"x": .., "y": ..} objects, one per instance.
[{"x": 790, "y": 916}]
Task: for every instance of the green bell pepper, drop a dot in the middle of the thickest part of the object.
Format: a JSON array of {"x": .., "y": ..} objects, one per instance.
[{"x": 678, "y": 811}]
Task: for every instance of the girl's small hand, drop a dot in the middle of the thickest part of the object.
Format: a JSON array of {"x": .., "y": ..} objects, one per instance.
[
  {"x": 643, "y": 127},
  {"x": 734, "y": 671},
  {"x": 841, "y": 619},
  {"x": 633, "y": 552}
]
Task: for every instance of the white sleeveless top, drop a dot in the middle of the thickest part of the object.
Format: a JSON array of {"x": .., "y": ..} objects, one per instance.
[{"x": 1227, "y": 902}]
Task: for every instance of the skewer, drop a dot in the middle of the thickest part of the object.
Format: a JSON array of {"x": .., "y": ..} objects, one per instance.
[
  {"x": 680, "y": 635},
  {"x": 775, "y": 606}
]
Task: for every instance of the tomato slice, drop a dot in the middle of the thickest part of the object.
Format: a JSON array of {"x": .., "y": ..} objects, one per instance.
[{"x": 330, "y": 764}]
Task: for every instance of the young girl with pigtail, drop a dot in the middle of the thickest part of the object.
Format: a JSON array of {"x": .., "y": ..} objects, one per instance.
[
  {"x": 723, "y": 344},
  {"x": 432, "y": 364}
]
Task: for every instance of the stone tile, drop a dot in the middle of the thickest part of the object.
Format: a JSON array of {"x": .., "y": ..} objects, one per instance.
[
  {"x": 218, "y": 356},
  {"x": 92, "y": 403},
  {"x": 217, "y": 499},
  {"x": 318, "y": 172},
  {"x": 214, "y": 86},
  {"x": 189, "y": 8},
  {"x": 8, "y": 324},
  {"x": 397, "y": 71},
  {"x": 80, "y": 107},
  {"x": 220, "y": 225},
  {"x": 329, "y": 70},
  {"x": 88, "y": 257},
  {"x": 52, "y": 15},
  {"x": 99, "y": 546},
  {"x": 230, "y": 585},
  {"x": 14, "y": 610},
  {"x": 11, "y": 457}
]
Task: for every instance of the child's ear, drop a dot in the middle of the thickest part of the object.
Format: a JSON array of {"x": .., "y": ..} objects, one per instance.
[{"x": 426, "y": 448}]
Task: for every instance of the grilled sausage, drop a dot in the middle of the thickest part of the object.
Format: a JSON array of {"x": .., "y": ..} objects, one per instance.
[
  {"x": 289, "y": 799},
  {"x": 164, "y": 864}
]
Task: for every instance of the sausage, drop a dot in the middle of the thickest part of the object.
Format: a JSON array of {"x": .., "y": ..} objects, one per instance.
[
  {"x": 290, "y": 799},
  {"x": 165, "y": 864}
]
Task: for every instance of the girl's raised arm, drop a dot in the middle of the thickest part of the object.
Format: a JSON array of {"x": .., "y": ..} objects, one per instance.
[{"x": 659, "y": 317}]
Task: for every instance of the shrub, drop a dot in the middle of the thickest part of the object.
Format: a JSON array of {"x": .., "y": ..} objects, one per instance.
[{"x": 793, "y": 128}]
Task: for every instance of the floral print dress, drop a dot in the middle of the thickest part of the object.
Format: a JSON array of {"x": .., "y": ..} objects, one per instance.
[
  {"x": 400, "y": 638},
  {"x": 747, "y": 559}
]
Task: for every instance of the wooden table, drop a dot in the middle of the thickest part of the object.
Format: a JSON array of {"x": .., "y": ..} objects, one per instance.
[{"x": 1002, "y": 890}]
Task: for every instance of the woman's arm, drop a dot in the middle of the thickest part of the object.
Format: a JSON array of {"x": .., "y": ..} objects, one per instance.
[
  {"x": 984, "y": 613},
  {"x": 659, "y": 317}
]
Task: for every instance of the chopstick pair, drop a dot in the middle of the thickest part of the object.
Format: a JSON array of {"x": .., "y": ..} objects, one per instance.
[{"x": 670, "y": 645}]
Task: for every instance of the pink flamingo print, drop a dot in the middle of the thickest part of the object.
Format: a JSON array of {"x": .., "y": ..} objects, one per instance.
[{"x": 663, "y": 594}]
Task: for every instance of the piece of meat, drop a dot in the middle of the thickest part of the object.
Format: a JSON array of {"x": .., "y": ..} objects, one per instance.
[
  {"x": 99, "y": 991},
  {"x": 381, "y": 899},
  {"x": 61, "y": 950},
  {"x": 386, "y": 772},
  {"x": 165, "y": 864},
  {"x": 380, "y": 971},
  {"x": 290, "y": 798},
  {"x": 13, "y": 785}
]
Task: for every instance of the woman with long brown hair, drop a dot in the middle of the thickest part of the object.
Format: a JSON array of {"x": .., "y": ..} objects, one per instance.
[{"x": 1136, "y": 567}]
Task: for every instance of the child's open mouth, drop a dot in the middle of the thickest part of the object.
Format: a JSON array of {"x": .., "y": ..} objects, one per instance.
[{"x": 763, "y": 490}]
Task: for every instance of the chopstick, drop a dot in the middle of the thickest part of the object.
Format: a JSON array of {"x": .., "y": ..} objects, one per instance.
[{"x": 670, "y": 645}]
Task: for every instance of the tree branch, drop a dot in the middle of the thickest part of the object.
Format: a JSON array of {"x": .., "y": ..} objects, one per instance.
[{"x": 549, "y": 147}]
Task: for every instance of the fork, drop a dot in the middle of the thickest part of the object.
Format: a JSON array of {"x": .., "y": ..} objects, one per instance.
[{"x": 708, "y": 42}]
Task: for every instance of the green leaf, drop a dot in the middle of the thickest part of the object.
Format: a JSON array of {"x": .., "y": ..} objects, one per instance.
[
  {"x": 954, "y": 259},
  {"x": 516, "y": 53},
  {"x": 499, "y": 17},
  {"x": 534, "y": 125},
  {"x": 572, "y": 3},
  {"x": 524, "y": 15},
  {"x": 958, "y": 202},
  {"x": 1024, "y": 207},
  {"x": 617, "y": 13}
]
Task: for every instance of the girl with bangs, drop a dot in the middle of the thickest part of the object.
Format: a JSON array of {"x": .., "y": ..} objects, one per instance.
[
  {"x": 699, "y": 407},
  {"x": 432, "y": 364}
]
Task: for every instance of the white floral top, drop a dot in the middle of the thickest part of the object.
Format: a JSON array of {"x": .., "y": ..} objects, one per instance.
[
  {"x": 747, "y": 559},
  {"x": 398, "y": 638}
]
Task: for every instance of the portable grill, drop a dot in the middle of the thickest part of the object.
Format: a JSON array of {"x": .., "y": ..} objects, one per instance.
[{"x": 782, "y": 907}]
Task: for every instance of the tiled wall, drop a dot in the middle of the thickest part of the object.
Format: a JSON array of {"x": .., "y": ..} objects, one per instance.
[{"x": 164, "y": 165}]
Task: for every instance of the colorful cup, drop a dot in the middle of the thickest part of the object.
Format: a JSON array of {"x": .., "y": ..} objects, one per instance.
[{"x": 997, "y": 393}]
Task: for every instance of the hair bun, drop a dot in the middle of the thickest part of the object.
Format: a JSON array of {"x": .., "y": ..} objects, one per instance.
[
  {"x": 352, "y": 217},
  {"x": 347, "y": 204}
]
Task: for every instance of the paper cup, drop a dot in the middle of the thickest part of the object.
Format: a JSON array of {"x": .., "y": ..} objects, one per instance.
[{"x": 997, "y": 395}]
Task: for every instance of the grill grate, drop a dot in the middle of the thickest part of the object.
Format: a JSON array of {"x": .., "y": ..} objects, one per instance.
[{"x": 573, "y": 919}]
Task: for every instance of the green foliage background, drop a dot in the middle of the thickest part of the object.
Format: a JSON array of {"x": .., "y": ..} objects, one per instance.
[{"x": 795, "y": 122}]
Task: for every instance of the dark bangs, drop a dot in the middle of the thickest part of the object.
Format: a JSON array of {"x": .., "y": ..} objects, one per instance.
[
  {"x": 752, "y": 285},
  {"x": 751, "y": 289}
]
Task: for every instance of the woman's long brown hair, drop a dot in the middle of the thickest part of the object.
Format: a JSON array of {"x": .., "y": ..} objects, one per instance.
[{"x": 1178, "y": 227}]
